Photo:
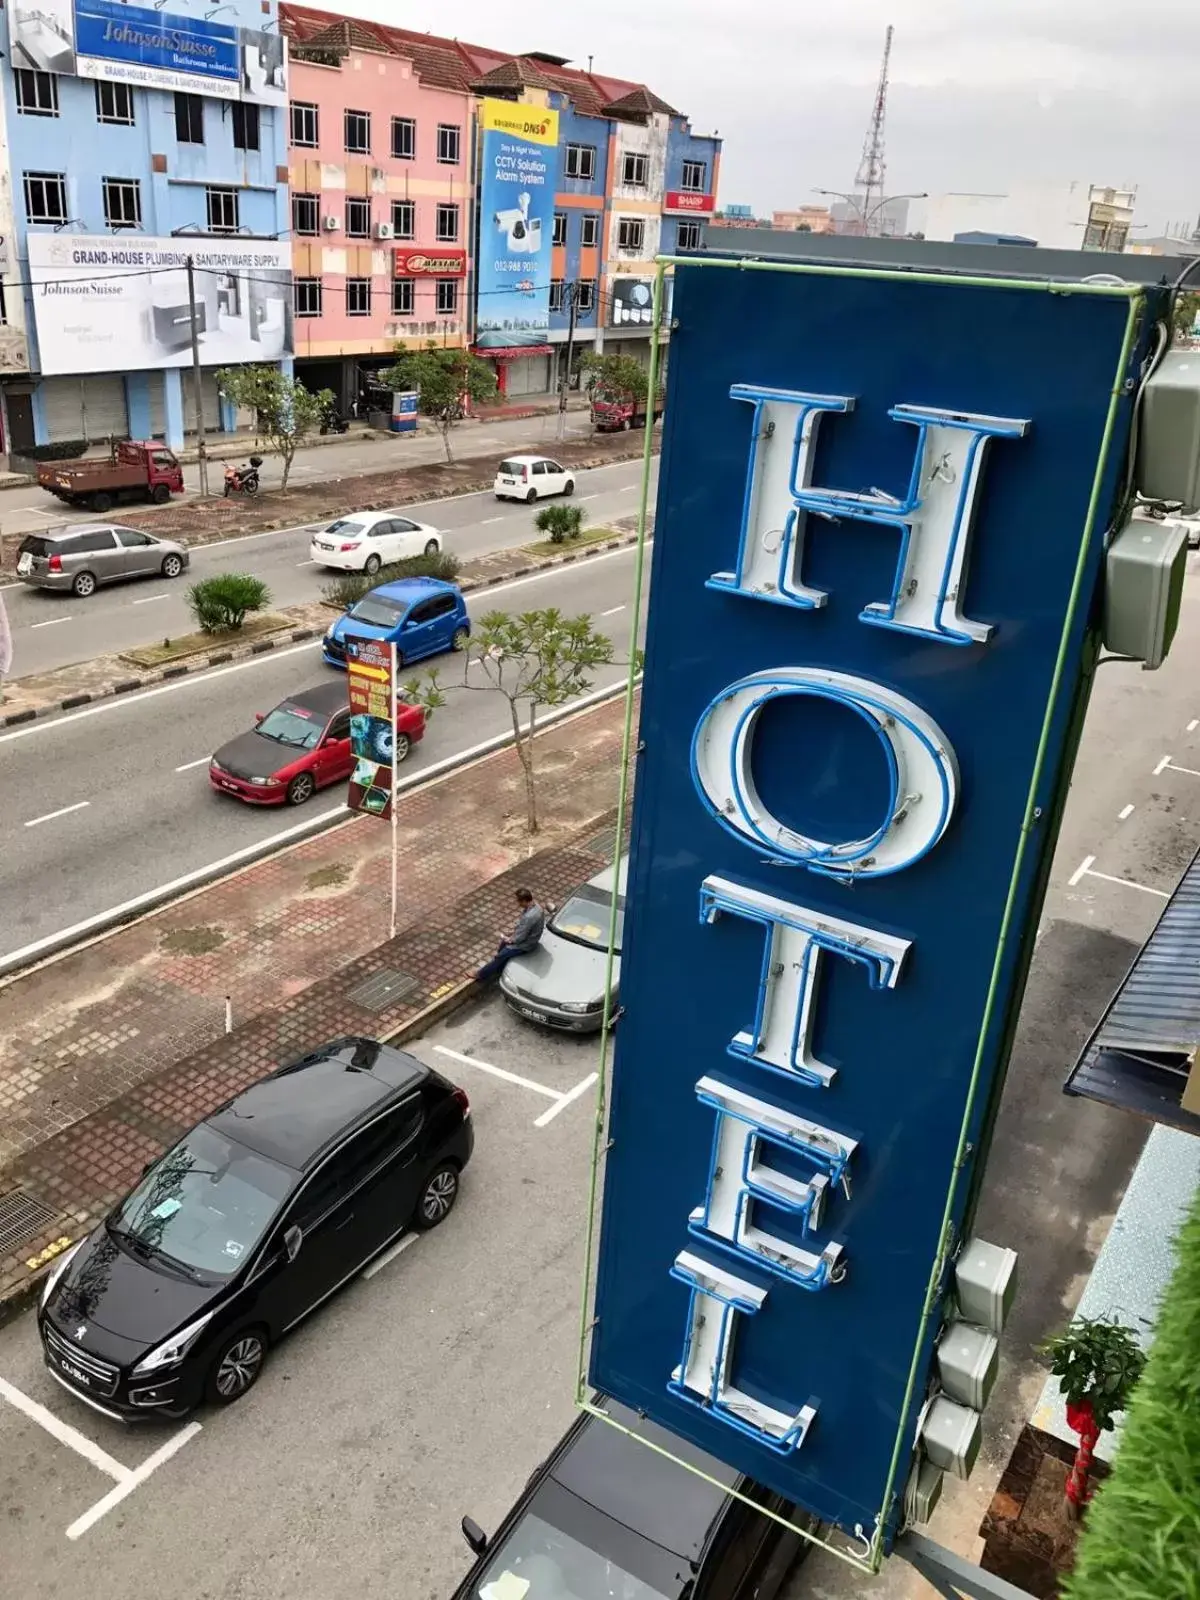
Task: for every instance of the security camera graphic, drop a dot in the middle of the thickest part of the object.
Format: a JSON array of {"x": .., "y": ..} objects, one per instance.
[{"x": 524, "y": 233}]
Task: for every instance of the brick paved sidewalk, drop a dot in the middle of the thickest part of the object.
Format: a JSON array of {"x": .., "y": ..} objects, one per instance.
[{"x": 109, "y": 1053}]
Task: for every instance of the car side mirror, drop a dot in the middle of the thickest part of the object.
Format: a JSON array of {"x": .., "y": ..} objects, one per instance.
[
  {"x": 259, "y": 715},
  {"x": 292, "y": 1240},
  {"x": 146, "y": 1168},
  {"x": 474, "y": 1535}
]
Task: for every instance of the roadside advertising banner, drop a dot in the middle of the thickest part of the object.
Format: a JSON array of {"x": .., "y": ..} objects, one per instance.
[
  {"x": 370, "y": 668},
  {"x": 519, "y": 170},
  {"x": 866, "y": 666}
]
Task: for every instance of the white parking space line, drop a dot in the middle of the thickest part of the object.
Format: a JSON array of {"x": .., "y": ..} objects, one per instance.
[
  {"x": 1126, "y": 811},
  {"x": 133, "y": 1478},
  {"x": 66, "y": 811},
  {"x": 499, "y": 1072},
  {"x": 1081, "y": 871},
  {"x": 63, "y": 1432},
  {"x": 1188, "y": 772},
  {"x": 565, "y": 1100},
  {"x": 1193, "y": 725},
  {"x": 1085, "y": 869},
  {"x": 612, "y": 611},
  {"x": 50, "y": 622},
  {"x": 188, "y": 765},
  {"x": 1165, "y": 762},
  {"x": 390, "y": 1254}
]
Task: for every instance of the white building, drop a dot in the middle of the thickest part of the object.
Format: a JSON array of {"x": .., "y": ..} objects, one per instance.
[{"x": 1058, "y": 215}]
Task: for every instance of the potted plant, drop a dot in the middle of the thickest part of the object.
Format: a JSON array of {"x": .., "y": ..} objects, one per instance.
[{"x": 1097, "y": 1362}]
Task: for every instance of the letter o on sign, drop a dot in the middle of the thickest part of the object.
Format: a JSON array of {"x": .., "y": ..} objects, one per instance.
[{"x": 923, "y": 776}]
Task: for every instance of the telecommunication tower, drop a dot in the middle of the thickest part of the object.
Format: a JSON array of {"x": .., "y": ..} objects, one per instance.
[{"x": 872, "y": 169}]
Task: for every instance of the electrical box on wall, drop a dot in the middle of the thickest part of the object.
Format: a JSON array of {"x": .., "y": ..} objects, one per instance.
[
  {"x": 985, "y": 1284},
  {"x": 968, "y": 1359},
  {"x": 1145, "y": 566},
  {"x": 923, "y": 1492},
  {"x": 951, "y": 1436},
  {"x": 1168, "y": 457}
]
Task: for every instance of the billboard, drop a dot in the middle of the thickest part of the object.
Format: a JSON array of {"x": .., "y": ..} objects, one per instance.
[
  {"x": 370, "y": 670},
  {"x": 519, "y": 174},
  {"x": 112, "y": 304},
  {"x": 687, "y": 201},
  {"x": 445, "y": 263},
  {"x": 157, "y": 49},
  {"x": 874, "y": 568}
]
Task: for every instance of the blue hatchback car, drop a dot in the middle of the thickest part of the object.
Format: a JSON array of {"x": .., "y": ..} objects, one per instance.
[{"x": 422, "y": 616}]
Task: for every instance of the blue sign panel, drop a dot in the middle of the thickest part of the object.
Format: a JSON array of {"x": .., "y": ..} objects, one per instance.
[
  {"x": 516, "y": 225},
  {"x": 106, "y": 30},
  {"x": 873, "y": 573}
]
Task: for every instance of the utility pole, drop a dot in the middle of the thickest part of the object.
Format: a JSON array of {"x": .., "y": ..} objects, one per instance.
[
  {"x": 571, "y": 290},
  {"x": 198, "y": 393}
]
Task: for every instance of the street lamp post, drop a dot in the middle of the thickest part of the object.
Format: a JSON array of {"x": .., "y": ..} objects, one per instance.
[{"x": 868, "y": 215}]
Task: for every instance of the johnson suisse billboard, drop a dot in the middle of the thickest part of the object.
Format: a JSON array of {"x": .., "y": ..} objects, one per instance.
[{"x": 879, "y": 534}]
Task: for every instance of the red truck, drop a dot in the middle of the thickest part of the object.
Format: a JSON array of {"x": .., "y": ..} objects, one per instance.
[
  {"x": 612, "y": 412},
  {"x": 136, "y": 469}
]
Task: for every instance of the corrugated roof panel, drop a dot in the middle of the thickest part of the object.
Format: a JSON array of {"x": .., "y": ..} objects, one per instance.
[{"x": 1158, "y": 1006}]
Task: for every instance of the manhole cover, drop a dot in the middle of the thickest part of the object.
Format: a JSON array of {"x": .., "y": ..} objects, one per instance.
[
  {"x": 21, "y": 1218},
  {"x": 384, "y": 989},
  {"x": 604, "y": 844}
]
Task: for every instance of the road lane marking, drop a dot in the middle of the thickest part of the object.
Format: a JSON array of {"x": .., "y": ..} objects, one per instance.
[
  {"x": 1193, "y": 725},
  {"x": 64, "y": 812},
  {"x": 388, "y": 1256},
  {"x": 564, "y": 1100},
  {"x": 49, "y": 623},
  {"x": 149, "y": 599},
  {"x": 1126, "y": 811},
  {"x": 309, "y": 563},
  {"x": 137, "y": 1476},
  {"x": 64, "y": 1433},
  {"x": 486, "y": 523},
  {"x": 499, "y": 1072},
  {"x": 612, "y": 611},
  {"x": 188, "y": 765}
]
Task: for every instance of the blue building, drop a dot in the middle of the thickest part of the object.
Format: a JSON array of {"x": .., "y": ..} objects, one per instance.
[{"x": 136, "y": 139}]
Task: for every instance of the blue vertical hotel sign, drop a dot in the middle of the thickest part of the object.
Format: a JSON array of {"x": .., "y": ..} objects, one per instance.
[{"x": 870, "y": 640}]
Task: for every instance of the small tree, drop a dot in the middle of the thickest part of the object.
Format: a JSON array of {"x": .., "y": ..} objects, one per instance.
[
  {"x": 1184, "y": 318},
  {"x": 539, "y": 658},
  {"x": 613, "y": 374},
  {"x": 284, "y": 408},
  {"x": 559, "y": 522},
  {"x": 448, "y": 381},
  {"x": 1097, "y": 1361},
  {"x": 220, "y": 604}
]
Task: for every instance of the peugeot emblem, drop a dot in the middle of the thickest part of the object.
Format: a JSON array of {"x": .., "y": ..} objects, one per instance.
[{"x": 81, "y": 1330}]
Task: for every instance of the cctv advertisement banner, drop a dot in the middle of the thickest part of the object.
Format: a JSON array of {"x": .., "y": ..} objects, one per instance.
[
  {"x": 112, "y": 304},
  {"x": 875, "y": 568},
  {"x": 370, "y": 665},
  {"x": 519, "y": 170}
]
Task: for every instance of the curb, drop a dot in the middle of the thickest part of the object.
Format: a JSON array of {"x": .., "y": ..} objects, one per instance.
[{"x": 221, "y": 658}]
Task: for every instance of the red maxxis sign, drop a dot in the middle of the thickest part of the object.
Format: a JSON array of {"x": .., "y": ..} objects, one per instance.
[{"x": 441, "y": 263}]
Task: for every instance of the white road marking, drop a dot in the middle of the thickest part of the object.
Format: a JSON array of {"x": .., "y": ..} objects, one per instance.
[
  {"x": 149, "y": 599},
  {"x": 589, "y": 497},
  {"x": 1188, "y": 772},
  {"x": 1126, "y": 811},
  {"x": 565, "y": 1100},
  {"x": 612, "y": 611},
  {"x": 64, "y": 812},
  {"x": 1193, "y": 725},
  {"x": 627, "y": 488},
  {"x": 1081, "y": 871},
  {"x": 488, "y": 521},
  {"x": 135, "y": 1477},
  {"x": 499, "y": 1072},
  {"x": 309, "y": 563},
  {"x": 188, "y": 765},
  {"x": 1128, "y": 883},
  {"x": 49, "y": 623},
  {"x": 64, "y": 1432},
  {"x": 1165, "y": 762},
  {"x": 390, "y": 1255}
]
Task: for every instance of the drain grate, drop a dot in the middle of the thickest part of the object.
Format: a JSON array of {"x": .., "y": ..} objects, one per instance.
[
  {"x": 604, "y": 844},
  {"x": 384, "y": 989},
  {"x": 21, "y": 1218}
]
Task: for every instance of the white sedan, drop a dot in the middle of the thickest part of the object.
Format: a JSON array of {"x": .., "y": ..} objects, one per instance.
[{"x": 370, "y": 540}]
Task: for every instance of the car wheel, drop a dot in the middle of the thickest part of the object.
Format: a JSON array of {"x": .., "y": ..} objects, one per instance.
[
  {"x": 531, "y": 497},
  {"x": 400, "y": 748},
  {"x": 236, "y": 1366},
  {"x": 569, "y": 486},
  {"x": 458, "y": 639},
  {"x": 372, "y": 565},
  {"x": 437, "y": 1197},
  {"x": 172, "y": 566},
  {"x": 432, "y": 547},
  {"x": 301, "y": 788},
  {"x": 160, "y": 494},
  {"x": 101, "y": 502},
  {"x": 84, "y": 584}
]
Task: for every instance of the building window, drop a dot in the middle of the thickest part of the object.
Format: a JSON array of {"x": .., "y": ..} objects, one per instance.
[
  {"x": 189, "y": 119},
  {"x": 305, "y": 214},
  {"x": 37, "y": 93},
  {"x": 358, "y": 217},
  {"x": 694, "y": 175},
  {"x": 581, "y": 161},
  {"x": 404, "y": 139},
  {"x": 447, "y": 297},
  {"x": 404, "y": 219},
  {"x": 3, "y": 307},
  {"x": 122, "y": 202},
  {"x": 585, "y": 294},
  {"x": 689, "y": 236},
  {"x": 589, "y": 231},
  {"x": 114, "y": 103},
  {"x": 358, "y": 133},
  {"x": 306, "y": 124},
  {"x": 556, "y": 294},
  {"x": 560, "y": 228},
  {"x": 403, "y": 297},
  {"x": 633, "y": 171},
  {"x": 446, "y": 227},
  {"x": 449, "y": 144},
  {"x": 358, "y": 297},
  {"x": 245, "y": 125},
  {"x": 307, "y": 298},
  {"x": 222, "y": 210},
  {"x": 45, "y": 197},
  {"x": 631, "y": 233}
]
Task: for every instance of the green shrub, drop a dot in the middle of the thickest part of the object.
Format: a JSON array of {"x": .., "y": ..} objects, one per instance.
[
  {"x": 351, "y": 586},
  {"x": 559, "y": 522},
  {"x": 220, "y": 604},
  {"x": 60, "y": 450}
]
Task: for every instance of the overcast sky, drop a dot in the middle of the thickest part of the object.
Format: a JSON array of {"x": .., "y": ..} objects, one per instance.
[{"x": 984, "y": 93}]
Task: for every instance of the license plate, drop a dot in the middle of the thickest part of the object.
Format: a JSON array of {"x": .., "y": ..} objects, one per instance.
[
  {"x": 509, "y": 481},
  {"x": 525, "y": 1011},
  {"x": 321, "y": 546},
  {"x": 232, "y": 787},
  {"x": 25, "y": 563},
  {"x": 76, "y": 1374}
]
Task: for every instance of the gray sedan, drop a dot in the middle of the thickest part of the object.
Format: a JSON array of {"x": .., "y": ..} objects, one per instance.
[
  {"x": 83, "y": 555},
  {"x": 561, "y": 983}
]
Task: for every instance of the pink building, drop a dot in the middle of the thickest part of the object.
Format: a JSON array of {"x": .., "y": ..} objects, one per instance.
[{"x": 379, "y": 170}]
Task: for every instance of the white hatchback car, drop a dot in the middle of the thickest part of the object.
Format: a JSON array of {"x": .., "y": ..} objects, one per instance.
[
  {"x": 370, "y": 540},
  {"x": 531, "y": 478}
]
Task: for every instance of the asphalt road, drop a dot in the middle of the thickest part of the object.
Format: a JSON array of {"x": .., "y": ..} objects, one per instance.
[
  {"x": 54, "y": 630},
  {"x": 109, "y": 802}
]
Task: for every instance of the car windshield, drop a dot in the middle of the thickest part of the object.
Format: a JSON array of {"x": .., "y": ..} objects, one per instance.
[
  {"x": 293, "y": 725},
  {"x": 540, "y": 1562},
  {"x": 512, "y": 469},
  {"x": 380, "y": 613},
  {"x": 585, "y": 919},
  {"x": 204, "y": 1207},
  {"x": 346, "y": 528}
]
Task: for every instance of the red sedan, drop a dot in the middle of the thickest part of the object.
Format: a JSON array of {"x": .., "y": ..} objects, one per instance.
[{"x": 300, "y": 747}]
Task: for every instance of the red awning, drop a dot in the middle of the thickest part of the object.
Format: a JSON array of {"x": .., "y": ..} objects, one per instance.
[{"x": 515, "y": 353}]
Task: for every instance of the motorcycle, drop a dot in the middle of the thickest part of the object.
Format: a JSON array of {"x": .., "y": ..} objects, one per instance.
[
  {"x": 243, "y": 480},
  {"x": 334, "y": 422}
]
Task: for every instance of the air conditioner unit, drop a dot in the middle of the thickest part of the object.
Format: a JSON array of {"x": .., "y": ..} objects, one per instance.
[
  {"x": 383, "y": 230},
  {"x": 331, "y": 224}
]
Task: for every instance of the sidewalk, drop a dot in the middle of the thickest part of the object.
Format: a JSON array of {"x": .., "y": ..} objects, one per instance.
[{"x": 109, "y": 1053}]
